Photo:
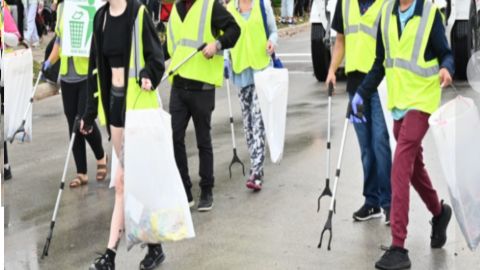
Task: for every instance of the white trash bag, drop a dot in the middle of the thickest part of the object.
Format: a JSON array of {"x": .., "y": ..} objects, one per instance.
[
  {"x": 156, "y": 207},
  {"x": 271, "y": 86},
  {"x": 456, "y": 129},
  {"x": 18, "y": 83}
]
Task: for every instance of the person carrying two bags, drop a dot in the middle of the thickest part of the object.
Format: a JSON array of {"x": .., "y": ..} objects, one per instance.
[{"x": 252, "y": 53}]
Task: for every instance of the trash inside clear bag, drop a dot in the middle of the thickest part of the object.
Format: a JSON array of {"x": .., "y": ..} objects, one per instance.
[
  {"x": 456, "y": 129},
  {"x": 156, "y": 207}
]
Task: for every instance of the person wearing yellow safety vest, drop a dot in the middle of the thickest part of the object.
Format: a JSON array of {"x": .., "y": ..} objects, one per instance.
[
  {"x": 413, "y": 53},
  {"x": 73, "y": 82},
  {"x": 126, "y": 65},
  {"x": 356, "y": 23},
  {"x": 193, "y": 23},
  {"x": 251, "y": 53}
]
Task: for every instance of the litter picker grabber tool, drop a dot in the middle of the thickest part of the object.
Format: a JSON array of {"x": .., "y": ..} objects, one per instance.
[
  {"x": 235, "y": 158},
  {"x": 173, "y": 70},
  {"x": 326, "y": 190},
  {"x": 328, "y": 224},
  {"x": 76, "y": 126},
  {"x": 21, "y": 128}
]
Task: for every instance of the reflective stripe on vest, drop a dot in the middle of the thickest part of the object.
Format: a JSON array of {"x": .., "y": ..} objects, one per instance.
[
  {"x": 360, "y": 32},
  {"x": 136, "y": 97},
  {"x": 350, "y": 29},
  {"x": 185, "y": 36},
  {"x": 201, "y": 30},
  {"x": 412, "y": 81},
  {"x": 411, "y": 65}
]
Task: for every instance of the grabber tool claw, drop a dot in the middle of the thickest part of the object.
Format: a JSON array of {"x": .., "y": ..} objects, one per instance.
[
  {"x": 235, "y": 158},
  {"x": 326, "y": 191},
  {"x": 328, "y": 224}
]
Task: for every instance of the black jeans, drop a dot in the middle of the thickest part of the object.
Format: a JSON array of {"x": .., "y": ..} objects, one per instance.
[
  {"x": 198, "y": 105},
  {"x": 74, "y": 97}
]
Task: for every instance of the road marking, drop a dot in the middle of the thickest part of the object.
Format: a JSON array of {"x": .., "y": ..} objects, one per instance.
[
  {"x": 297, "y": 61},
  {"x": 296, "y": 72},
  {"x": 293, "y": 54}
]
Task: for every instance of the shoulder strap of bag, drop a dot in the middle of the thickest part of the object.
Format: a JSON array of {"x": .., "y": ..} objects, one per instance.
[{"x": 264, "y": 17}]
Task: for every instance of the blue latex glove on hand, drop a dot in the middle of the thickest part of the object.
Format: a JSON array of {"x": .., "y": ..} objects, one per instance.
[
  {"x": 227, "y": 68},
  {"x": 45, "y": 66},
  {"x": 356, "y": 102}
]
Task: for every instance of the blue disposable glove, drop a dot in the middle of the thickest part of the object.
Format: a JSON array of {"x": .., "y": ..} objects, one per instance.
[
  {"x": 227, "y": 68},
  {"x": 356, "y": 102},
  {"x": 45, "y": 66}
]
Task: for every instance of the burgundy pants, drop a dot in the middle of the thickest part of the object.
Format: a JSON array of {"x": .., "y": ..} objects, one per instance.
[{"x": 408, "y": 167}]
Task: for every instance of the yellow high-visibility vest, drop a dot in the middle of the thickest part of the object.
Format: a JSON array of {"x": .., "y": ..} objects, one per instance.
[
  {"x": 360, "y": 34},
  {"x": 80, "y": 64},
  {"x": 184, "y": 37},
  {"x": 412, "y": 82},
  {"x": 250, "y": 50}
]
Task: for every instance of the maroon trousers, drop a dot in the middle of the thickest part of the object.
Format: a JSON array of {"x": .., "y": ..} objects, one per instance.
[{"x": 408, "y": 168}]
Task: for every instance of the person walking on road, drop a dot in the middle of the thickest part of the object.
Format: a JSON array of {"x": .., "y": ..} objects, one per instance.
[
  {"x": 287, "y": 12},
  {"x": 193, "y": 23},
  {"x": 356, "y": 23},
  {"x": 412, "y": 52},
  {"x": 73, "y": 81},
  {"x": 252, "y": 52},
  {"x": 31, "y": 34},
  {"x": 116, "y": 61}
]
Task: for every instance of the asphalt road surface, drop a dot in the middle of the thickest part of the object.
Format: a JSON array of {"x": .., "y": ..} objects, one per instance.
[{"x": 277, "y": 228}]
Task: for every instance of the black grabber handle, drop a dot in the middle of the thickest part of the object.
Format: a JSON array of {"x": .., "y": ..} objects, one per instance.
[
  {"x": 360, "y": 110},
  {"x": 330, "y": 89}
]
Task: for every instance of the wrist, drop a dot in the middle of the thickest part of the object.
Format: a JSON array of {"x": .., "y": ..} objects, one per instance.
[{"x": 218, "y": 45}]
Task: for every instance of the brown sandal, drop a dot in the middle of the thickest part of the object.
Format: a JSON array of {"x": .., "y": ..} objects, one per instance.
[
  {"x": 102, "y": 170},
  {"x": 77, "y": 182}
]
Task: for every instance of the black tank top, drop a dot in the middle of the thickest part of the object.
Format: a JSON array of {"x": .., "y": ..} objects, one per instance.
[{"x": 115, "y": 39}]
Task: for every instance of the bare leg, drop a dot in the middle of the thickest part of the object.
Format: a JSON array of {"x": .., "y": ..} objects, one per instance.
[{"x": 117, "y": 225}]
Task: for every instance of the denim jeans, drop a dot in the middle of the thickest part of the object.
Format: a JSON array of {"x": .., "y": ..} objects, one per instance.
[
  {"x": 287, "y": 8},
  {"x": 376, "y": 154}
]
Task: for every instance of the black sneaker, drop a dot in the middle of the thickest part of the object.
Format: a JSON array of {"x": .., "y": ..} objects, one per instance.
[
  {"x": 7, "y": 173},
  {"x": 386, "y": 212},
  {"x": 191, "y": 202},
  {"x": 104, "y": 262},
  {"x": 439, "y": 224},
  {"x": 395, "y": 258},
  {"x": 154, "y": 257},
  {"x": 366, "y": 213},
  {"x": 206, "y": 201}
]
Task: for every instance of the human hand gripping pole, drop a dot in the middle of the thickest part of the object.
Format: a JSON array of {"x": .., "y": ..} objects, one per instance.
[
  {"x": 326, "y": 190},
  {"x": 21, "y": 128},
  {"x": 76, "y": 126},
  {"x": 173, "y": 70},
  {"x": 332, "y": 210},
  {"x": 235, "y": 158}
]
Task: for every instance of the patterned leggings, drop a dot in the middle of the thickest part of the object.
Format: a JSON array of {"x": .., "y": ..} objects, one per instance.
[{"x": 254, "y": 129}]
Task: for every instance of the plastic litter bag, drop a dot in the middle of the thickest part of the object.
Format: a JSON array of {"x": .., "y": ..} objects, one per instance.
[
  {"x": 18, "y": 81},
  {"x": 271, "y": 85},
  {"x": 156, "y": 207},
  {"x": 456, "y": 128}
]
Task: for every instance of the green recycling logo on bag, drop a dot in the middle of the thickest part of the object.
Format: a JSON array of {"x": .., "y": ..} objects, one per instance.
[{"x": 78, "y": 26}]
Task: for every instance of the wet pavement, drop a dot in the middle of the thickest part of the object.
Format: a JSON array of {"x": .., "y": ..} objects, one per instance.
[{"x": 277, "y": 228}]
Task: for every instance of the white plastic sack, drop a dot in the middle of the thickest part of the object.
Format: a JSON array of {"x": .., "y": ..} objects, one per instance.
[
  {"x": 271, "y": 85},
  {"x": 18, "y": 81},
  {"x": 156, "y": 206},
  {"x": 456, "y": 128},
  {"x": 382, "y": 92}
]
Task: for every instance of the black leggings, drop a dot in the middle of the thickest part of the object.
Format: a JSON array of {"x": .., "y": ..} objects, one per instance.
[{"x": 74, "y": 97}]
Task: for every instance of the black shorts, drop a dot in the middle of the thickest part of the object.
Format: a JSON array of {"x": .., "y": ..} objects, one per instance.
[{"x": 117, "y": 106}]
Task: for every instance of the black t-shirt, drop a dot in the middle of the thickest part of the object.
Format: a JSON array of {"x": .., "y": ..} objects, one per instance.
[
  {"x": 337, "y": 22},
  {"x": 115, "y": 39}
]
